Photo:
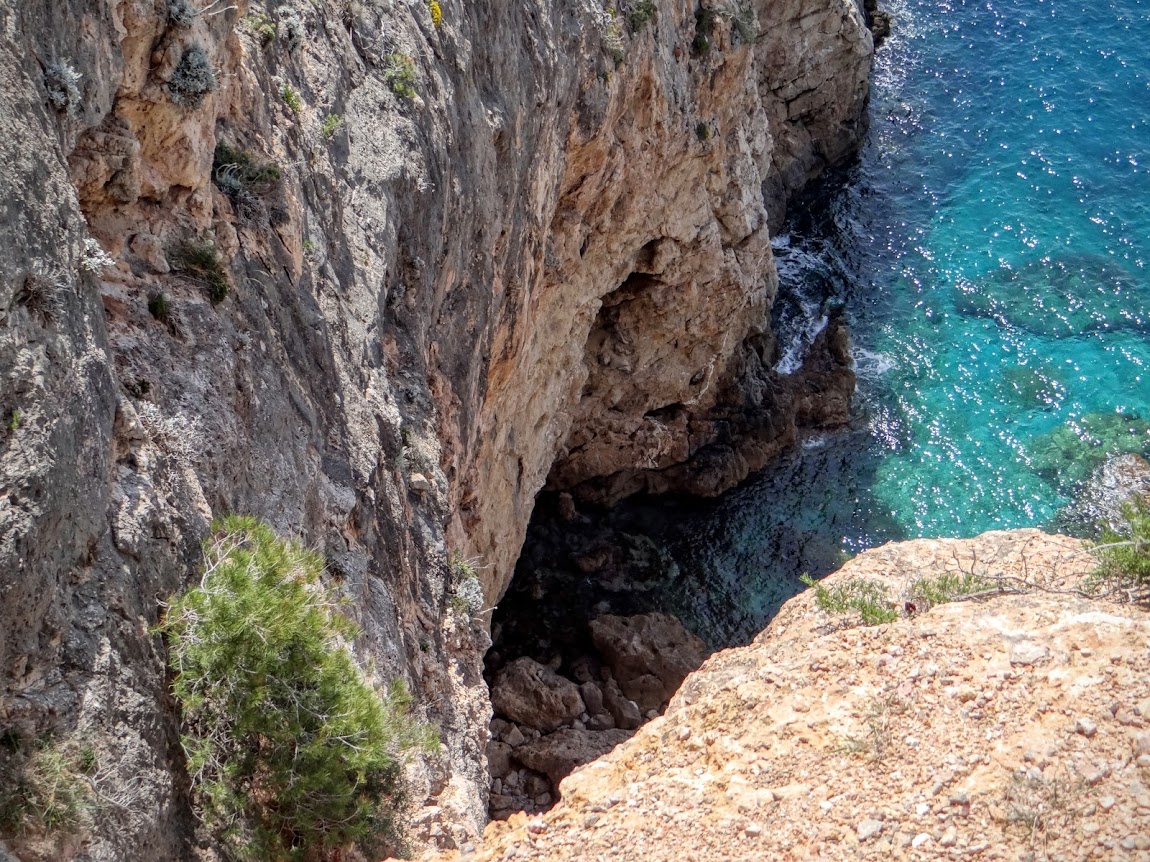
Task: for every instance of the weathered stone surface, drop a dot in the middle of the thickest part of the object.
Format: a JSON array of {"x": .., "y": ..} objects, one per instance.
[
  {"x": 649, "y": 655},
  {"x": 537, "y": 257},
  {"x": 832, "y": 740},
  {"x": 532, "y": 694},
  {"x": 558, "y": 753}
]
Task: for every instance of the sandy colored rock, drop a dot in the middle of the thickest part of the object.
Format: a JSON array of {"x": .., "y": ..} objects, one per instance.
[
  {"x": 809, "y": 742},
  {"x": 649, "y": 655},
  {"x": 558, "y": 753},
  {"x": 534, "y": 695}
]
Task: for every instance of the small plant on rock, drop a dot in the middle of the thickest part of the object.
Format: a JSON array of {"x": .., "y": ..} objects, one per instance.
[
  {"x": 63, "y": 85},
  {"x": 466, "y": 591},
  {"x": 292, "y": 99},
  {"x": 947, "y": 587},
  {"x": 641, "y": 13},
  {"x": 245, "y": 181},
  {"x": 399, "y": 74},
  {"x": 41, "y": 293},
  {"x": 291, "y": 29},
  {"x": 193, "y": 78},
  {"x": 261, "y": 27},
  {"x": 1124, "y": 554},
  {"x": 160, "y": 306},
  {"x": 436, "y": 13},
  {"x": 331, "y": 124},
  {"x": 199, "y": 261},
  {"x": 182, "y": 13},
  {"x": 47, "y": 787},
  {"x": 292, "y": 752},
  {"x": 869, "y": 599},
  {"x": 93, "y": 258}
]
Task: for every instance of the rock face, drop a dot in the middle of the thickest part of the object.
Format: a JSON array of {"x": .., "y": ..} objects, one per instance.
[
  {"x": 1005, "y": 727},
  {"x": 518, "y": 241}
]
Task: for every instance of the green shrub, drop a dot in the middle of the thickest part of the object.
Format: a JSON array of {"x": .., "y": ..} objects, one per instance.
[
  {"x": 292, "y": 99},
  {"x": 703, "y": 132},
  {"x": 466, "y": 591},
  {"x": 642, "y": 12},
  {"x": 261, "y": 26},
  {"x": 704, "y": 30},
  {"x": 245, "y": 181},
  {"x": 399, "y": 74},
  {"x": 193, "y": 78},
  {"x": 47, "y": 789},
  {"x": 331, "y": 124},
  {"x": 1124, "y": 554},
  {"x": 869, "y": 599},
  {"x": 199, "y": 261},
  {"x": 160, "y": 306},
  {"x": 291, "y": 751},
  {"x": 948, "y": 587}
]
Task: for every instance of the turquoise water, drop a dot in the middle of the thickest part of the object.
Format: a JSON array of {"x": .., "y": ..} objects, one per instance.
[
  {"x": 992, "y": 249},
  {"x": 992, "y": 246},
  {"x": 1016, "y": 298}
]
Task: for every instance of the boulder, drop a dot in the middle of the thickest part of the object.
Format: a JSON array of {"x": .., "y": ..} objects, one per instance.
[
  {"x": 649, "y": 655},
  {"x": 534, "y": 695},
  {"x": 557, "y": 754},
  {"x": 625, "y": 712}
]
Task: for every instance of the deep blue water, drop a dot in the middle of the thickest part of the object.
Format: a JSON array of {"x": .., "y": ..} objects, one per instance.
[{"x": 993, "y": 249}]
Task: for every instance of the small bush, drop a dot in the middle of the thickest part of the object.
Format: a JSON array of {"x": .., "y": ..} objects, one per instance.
[
  {"x": 291, "y": 30},
  {"x": 193, "y": 78},
  {"x": 436, "y": 13},
  {"x": 182, "y": 13},
  {"x": 703, "y": 132},
  {"x": 743, "y": 23},
  {"x": 869, "y": 599},
  {"x": 47, "y": 789},
  {"x": 244, "y": 180},
  {"x": 63, "y": 85},
  {"x": 160, "y": 306},
  {"x": 199, "y": 261},
  {"x": 642, "y": 13},
  {"x": 290, "y": 749},
  {"x": 261, "y": 27},
  {"x": 399, "y": 74},
  {"x": 93, "y": 258},
  {"x": 466, "y": 591},
  {"x": 1124, "y": 554},
  {"x": 331, "y": 124},
  {"x": 948, "y": 587},
  {"x": 292, "y": 99},
  {"x": 42, "y": 294},
  {"x": 704, "y": 32}
]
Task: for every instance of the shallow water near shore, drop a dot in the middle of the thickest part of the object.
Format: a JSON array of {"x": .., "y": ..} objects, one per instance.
[{"x": 992, "y": 248}]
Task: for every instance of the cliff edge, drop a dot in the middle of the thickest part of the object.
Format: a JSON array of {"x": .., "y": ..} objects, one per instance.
[{"x": 1013, "y": 724}]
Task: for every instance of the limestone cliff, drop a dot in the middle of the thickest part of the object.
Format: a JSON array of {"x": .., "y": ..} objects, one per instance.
[
  {"x": 461, "y": 252},
  {"x": 1014, "y": 724}
]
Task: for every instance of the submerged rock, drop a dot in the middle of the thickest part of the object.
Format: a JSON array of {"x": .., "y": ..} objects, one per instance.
[
  {"x": 1060, "y": 296},
  {"x": 1069, "y": 454},
  {"x": 1122, "y": 480}
]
